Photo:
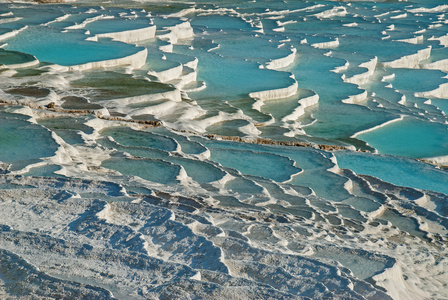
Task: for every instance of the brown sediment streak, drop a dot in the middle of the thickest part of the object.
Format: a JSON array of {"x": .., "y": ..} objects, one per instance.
[
  {"x": 147, "y": 122},
  {"x": 108, "y": 118},
  {"x": 264, "y": 141},
  {"x": 53, "y": 108},
  {"x": 260, "y": 141},
  {"x": 440, "y": 165},
  {"x": 49, "y": 1}
]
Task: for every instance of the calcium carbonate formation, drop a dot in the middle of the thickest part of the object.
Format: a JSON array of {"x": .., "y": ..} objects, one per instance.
[{"x": 223, "y": 150}]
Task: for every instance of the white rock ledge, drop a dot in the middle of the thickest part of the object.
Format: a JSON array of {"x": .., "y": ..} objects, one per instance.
[
  {"x": 283, "y": 62},
  {"x": 440, "y": 92},
  {"x": 378, "y": 126},
  {"x": 131, "y": 36},
  {"x": 443, "y": 40},
  {"x": 121, "y": 104},
  {"x": 409, "y": 61},
  {"x": 353, "y": 99},
  {"x": 415, "y": 40},
  {"x": 169, "y": 74},
  {"x": 12, "y": 33},
  {"x": 364, "y": 77},
  {"x": 29, "y": 64},
  {"x": 300, "y": 110},
  {"x": 177, "y": 32},
  {"x": 136, "y": 61},
  {"x": 326, "y": 45},
  {"x": 275, "y": 93},
  {"x": 441, "y": 65}
]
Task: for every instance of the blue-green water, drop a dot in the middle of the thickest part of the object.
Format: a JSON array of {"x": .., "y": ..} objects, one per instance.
[
  {"x": 51, "y": 45},
  {"x": 169, "y": 178},
  {"x": 409, "y": 137}
]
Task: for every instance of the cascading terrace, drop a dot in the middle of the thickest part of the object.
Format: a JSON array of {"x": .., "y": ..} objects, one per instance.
[{"x": 223, "y": 150}]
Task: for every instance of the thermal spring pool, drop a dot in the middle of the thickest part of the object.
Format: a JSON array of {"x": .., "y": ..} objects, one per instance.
[{"x": 223, "y": 149}]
